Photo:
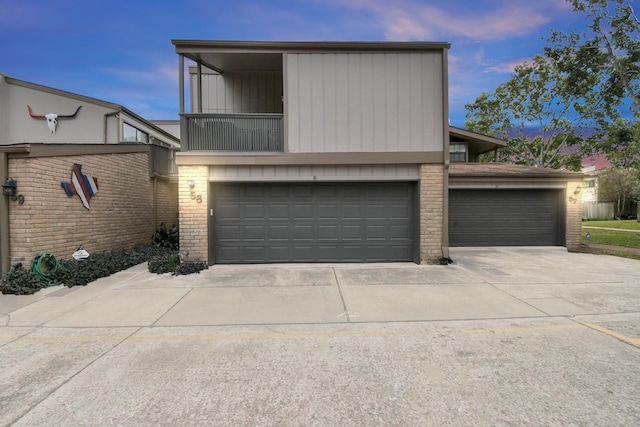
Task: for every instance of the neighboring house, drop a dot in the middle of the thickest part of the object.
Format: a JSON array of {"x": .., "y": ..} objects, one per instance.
[
  {"x": 592, "y": 166},
  {"x": 339, "y": 152},
  {"x": 44, "y": 132}
]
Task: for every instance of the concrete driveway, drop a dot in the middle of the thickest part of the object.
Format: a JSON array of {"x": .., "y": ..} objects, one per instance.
[
  {"x": 526, "y": 336},
  {"x": 483, "y": 283}
]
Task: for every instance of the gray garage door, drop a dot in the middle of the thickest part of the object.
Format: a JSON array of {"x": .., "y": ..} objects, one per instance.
[
  {"x": 328, "y": 222},
  {"x": 506, "y": 218}
]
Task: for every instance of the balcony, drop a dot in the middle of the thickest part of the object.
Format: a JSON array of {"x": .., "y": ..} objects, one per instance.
[{"x": 232, "y": 132}]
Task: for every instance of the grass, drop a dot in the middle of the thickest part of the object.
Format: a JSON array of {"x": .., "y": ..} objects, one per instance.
[
  {"x": 629, "y": 224},
  {"x": 625, "y": 239},
  {"x": 613, "y": 238}
]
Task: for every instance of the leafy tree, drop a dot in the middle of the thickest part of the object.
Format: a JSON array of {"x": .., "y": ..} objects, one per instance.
[
  {"x": 620, "y": 186},
  {"x": 622, "y": 144},
  {"x": 602, "y": 67},
  {"x": 532, "y": 98},
  {"x": 585, "y": 80}
]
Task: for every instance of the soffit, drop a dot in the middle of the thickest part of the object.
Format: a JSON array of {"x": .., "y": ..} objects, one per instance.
[{"x": 267, "y": 56}]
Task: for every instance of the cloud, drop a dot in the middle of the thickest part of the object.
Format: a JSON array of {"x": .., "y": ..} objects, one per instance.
[
  {"x": 506, "y": 67},
  {"x": 404, "y": 20}
]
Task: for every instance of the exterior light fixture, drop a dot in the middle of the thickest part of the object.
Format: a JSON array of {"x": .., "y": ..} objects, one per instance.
[
  {"x": 9, "y": 188},
  {"x": 191, "y": 183},
  {"x": 577, "y": 190}
]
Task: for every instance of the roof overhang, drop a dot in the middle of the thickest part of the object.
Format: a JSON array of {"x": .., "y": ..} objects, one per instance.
[
  {"x": 224, "y": 56},
  {"x": 480, "y": 143}
]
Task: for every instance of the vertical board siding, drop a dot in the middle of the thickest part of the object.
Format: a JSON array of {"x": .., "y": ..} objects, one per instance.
[
  {"x": 365, "y": 102},
  {"x": 314, "y": 173},
  {"x": 240, "y": 93}
]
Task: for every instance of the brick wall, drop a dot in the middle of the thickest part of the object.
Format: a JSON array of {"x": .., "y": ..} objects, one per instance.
[
  {"x": 166, "y": 202},
  {"x": 574, "y": 214},
  {"x": 194, "y": 211},
  {"x": 120, "y": 216},
  {"x": 431, "y": 213}
]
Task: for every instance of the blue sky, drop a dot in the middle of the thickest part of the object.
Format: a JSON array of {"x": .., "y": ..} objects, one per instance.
[{"x": 121, "y": 51}]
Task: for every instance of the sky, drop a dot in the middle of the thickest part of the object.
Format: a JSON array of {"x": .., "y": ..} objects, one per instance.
[{"x": 121, "y": 51}]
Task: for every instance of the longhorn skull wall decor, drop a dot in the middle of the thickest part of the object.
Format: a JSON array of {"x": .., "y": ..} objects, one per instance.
[{"x": 52, "y": 119}]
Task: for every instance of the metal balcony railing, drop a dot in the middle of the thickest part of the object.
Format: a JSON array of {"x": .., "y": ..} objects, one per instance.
[{"x": 232, "y": 132}]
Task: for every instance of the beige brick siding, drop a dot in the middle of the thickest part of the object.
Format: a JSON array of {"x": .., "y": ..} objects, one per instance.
[
  {"x": 121, "y": 213},
  {"x": 166, "y": 198},
  {"x": 574, "y": 214},
  {"x": 194, "y": 211},
  {"x": 431, "y": 213}
]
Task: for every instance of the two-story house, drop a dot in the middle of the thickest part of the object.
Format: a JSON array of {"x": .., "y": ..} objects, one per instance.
[
  {"x": 314, "y": 151},
  {"x": 340, "y": 152}
]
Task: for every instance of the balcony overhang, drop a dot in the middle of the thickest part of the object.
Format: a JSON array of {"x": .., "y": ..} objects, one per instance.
[{"x": 267, "y": 56}]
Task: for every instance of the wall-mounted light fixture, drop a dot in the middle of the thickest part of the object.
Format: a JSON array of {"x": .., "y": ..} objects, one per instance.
[
  {"x": 191, "y": 183},
  {"x": 9, "y": 188},
  {"x": 577, "y": 190}
]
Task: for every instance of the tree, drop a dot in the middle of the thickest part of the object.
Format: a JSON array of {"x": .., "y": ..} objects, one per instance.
[
  {"x": 602, "y": 66},
  {"x": 609, "y": 50},
  {"x": 620, "y": 186},
  {"x": 533, "y": 99},
  {"x": 622, "y": 145},
  {"x": 580, "y": 95}
]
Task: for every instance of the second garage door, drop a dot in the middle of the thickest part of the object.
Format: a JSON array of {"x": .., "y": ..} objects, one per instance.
[
  {"x": 314, "y": 222},
  {"x": 522, "y": 217}
]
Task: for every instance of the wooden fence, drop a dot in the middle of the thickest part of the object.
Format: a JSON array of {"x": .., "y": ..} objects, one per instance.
[{"x": 597, "y": 210}]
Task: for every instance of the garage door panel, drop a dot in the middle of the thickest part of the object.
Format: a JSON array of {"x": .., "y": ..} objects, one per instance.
[
  {"x": 302, "y": 212},
  {"x": 400, "y": 232},
  {"x": 523, "y": 217},
  {"x": 320, "y": 222},
  {"x": 279, "y": 232},
  {"x": 279, "y": 211},
  {"x": 328, "y": 232}
]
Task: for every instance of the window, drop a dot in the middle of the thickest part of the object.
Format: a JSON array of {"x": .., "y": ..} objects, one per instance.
[
  {"x": 458, "y": 152},
  {"x": 132, "y": 134}
]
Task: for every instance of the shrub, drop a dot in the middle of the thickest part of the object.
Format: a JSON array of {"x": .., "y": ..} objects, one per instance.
[
  {"x": 168, "y": 238},
  {"x": 19, "y": 281},
  {"x": 173, "y": 263},
  {"x": 164, "y": 263},
  {"x": 189, "y": 267},
  {"x": 80, "y": 273}
]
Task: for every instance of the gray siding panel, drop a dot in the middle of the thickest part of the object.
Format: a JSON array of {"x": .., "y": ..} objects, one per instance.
[
  {"x": 361, "y": 102},
  {"x": 315, "y": 173},
  {"x": 235, "y": 92}
]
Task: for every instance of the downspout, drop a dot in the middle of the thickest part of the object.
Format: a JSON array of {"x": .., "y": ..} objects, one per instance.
[
  {"x": 104, "y": 126},
  {"x": 445, "y": 178},
  {"x": 5, "y": 248},
  {"x": 155, "y": 202}
]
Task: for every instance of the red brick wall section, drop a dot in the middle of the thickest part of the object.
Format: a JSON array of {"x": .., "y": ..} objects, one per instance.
[
  {"x": 121, "y": 213},
  {"x": 166, "y": 202},
  {"x": 194, "y": 212}
]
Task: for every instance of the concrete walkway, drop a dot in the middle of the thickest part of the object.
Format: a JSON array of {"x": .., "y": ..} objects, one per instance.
[
  {"x": 504, "y": 336},
  {"x": 483, "y": 283}
]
